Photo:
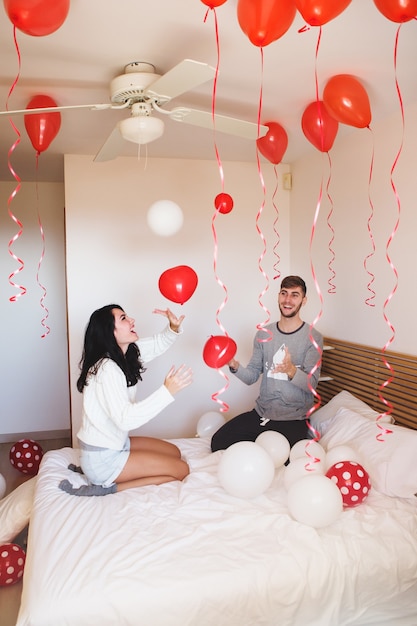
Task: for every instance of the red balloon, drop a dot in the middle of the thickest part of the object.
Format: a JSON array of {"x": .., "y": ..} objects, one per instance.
[
  {"x": 318, "y": 12},
  {"x": 213, "y": 3},
  {"x": 347, "y": 101},
  {"x": 37, "y": 17},
  {"x": 219, "y": 350},
  {"x": 42, "y": 128},
  {"x": 26, "y": 455},
  {"x": 12, "y": 564},
  {"x": 319, "y": 127},
  {"x": 274, "y": 144},
  {"x": 352, "y": 480},
  {"x": 264, "y": 21},
  {"x": 178, "y": 283},
  {"x": 223, "y": 203},
  {"x": 397, "y": 10}
]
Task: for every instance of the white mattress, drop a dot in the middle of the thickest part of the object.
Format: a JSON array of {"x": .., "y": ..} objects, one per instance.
[{"x": 190, "y": 554}]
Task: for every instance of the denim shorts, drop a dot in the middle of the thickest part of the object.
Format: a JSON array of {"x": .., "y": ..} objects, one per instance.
[{"x": 102, "y": 466}]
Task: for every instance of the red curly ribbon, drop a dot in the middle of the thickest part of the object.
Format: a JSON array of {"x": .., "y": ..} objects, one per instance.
[
  {"x": 215, "y": 396},
  {"x": 42, "y": 287},
  {"x": 276, "y": 231},
  {"x": 391, "y": 264},
  {"x": 370, "y": 298},
  {"x": 258, "y": 217},
  {"x": 12, "y": 282},
  {"x": 332, "y": 287}
]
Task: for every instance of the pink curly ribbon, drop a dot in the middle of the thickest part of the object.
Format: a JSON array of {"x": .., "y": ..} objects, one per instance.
[
  {"x": 258, "y": 217},
  {"x": 44, "y": 292},
  {"x": 332, "y": 287},
  {"x": 278, "y": 238},
  {"x": 388, "y": 404},
  {"x": 370, "y": 298},
  {"x": 215, "y": 396},
  {"x": 12, "y": 282}
]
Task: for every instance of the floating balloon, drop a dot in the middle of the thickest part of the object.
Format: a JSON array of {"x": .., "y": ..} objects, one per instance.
[
  {"x": 277, "y": 446},
  {"x": 274, "y": 144},
  {"x": 264, "y": 21},
  {"x": 307, "y": 448},
  {"x": 397, "y": 10},
  {"x": 223, "y": 203},
  {"x": 178, "y": 283},
  {"x": 165, "y": 218},
  {"x": 12, "y": 564},
  {"x": 37, "y": 17},
  {"x": 319, "y": 12},
  {"x": 347, "y": 101},
  {"x": 42, "y": 128},
  {"x": 245, "y": 470},
  {"x": 299, "y": 468},
  {"x": 319, "y": 127},
  {"x": 209, "y": 423},
  {"x": 219, "y": 350},
  {"x": 313, "y": 500},
  {"x": 340, "y": 453},
  {"x": 25, "y": 455},
  {"x": 352, "y": 480},
  {"x": 213, "y": 3}
]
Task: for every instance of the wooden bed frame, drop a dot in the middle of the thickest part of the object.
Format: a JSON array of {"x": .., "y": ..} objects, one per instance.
[{"x": 363, "y": 371}]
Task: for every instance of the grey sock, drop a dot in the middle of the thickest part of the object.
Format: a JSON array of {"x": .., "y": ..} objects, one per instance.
[
  {"x": 75, "y": 468},
  {"x": 86, "y": 490}
]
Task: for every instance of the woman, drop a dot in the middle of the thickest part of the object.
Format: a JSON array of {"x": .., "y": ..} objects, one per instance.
[{"x": 111, "y": 366}]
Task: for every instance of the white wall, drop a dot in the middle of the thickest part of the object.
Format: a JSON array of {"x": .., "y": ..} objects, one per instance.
[
  {"x": 345, "y": 313},
  {"x": 33, "y": 370},
  {"x": 113, "y": 256}
]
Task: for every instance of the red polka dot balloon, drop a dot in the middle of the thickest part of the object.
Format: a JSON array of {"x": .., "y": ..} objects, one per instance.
[
  {"x": 352, "y": 480},
  {"x": 12, "y": 564},
  {"x": 25, "y": 455}
]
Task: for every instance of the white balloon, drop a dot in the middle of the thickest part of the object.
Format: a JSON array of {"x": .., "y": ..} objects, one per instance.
[
  {"x": 306, "y": 448},
  {"x": 313, "y": 500},
  {"x": 277, "y": 446},
  {"x": 340, "y": 453},
  {"x": 245, "y": 470},
  {"x": 209, "y": 423},
  {"x": 2, "y": 486},
  {"x": 165, "y": 218},
  {"x": 301, "y": 467}
]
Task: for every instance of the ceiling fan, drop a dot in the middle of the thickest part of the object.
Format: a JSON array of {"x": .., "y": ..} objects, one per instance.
[{"x": 144, "y": 92}]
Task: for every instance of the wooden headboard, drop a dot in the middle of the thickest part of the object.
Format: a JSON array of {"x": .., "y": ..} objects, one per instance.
[{"x": 362, "y": 371}]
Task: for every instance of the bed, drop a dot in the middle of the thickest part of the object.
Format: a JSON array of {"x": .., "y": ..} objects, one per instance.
[{"x": 188, "y": 554}]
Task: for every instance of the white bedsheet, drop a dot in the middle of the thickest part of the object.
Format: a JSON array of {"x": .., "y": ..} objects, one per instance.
[{"x": 188, "y": 554}]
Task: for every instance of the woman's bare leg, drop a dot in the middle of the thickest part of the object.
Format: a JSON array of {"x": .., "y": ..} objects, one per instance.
[
  {"x": 151, "y": 444},
  {"x": 145, "y": 466}
]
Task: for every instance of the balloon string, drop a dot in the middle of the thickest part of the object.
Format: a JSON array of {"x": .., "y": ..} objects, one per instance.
[
  {"x": 369, "y": 299},
  {"x": 258, "y": 217},
  {"x": 278, "y": 238},
  {"x": 16, "y": 190},
  {"x": 43, "y": 296},
  {"x": 215, "y": 396},
  {"x": 332, "y": 286},
  {"x": 393, "y": 268}
]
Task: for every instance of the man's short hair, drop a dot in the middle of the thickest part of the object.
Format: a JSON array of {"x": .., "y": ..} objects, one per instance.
[{"x": 294, "y": 281}]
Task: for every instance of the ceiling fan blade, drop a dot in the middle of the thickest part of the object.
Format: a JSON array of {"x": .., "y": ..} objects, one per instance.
[
  {"x": 222, "y": 123},
  {"x": 112, "y": 147},
  {"x": 181, "y": 78},
  {"x": 93, "y": 107}
]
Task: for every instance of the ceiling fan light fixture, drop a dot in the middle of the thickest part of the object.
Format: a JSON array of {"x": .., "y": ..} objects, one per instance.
[{"x": 141, "y": 129}]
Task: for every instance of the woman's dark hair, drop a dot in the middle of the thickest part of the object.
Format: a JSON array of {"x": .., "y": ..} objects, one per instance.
[{"x": 100, "y": 343}]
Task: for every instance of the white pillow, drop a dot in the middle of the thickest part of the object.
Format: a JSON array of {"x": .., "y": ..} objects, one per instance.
[
  {"x": 15, "y": 510},
  {"x": 322, "y": 418},
  {"x": 391, "y": 463}
]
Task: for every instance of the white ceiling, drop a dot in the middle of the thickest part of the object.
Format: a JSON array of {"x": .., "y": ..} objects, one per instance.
[{"x": 75, "y": 65}]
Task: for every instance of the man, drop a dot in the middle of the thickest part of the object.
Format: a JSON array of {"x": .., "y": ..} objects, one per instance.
[{"x": 285, "y": 355}]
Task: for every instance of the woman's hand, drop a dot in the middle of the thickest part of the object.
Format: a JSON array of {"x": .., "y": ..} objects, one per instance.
[
  {"x": 174, "y": 321},
  {"x": 178, "y": 379}
]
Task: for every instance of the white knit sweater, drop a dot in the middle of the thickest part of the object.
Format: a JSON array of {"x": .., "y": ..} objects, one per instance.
[{"x": 110, "y": 409}]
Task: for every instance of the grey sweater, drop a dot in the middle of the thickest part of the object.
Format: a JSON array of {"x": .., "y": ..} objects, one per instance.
[{"x": 283, "y": 399}]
